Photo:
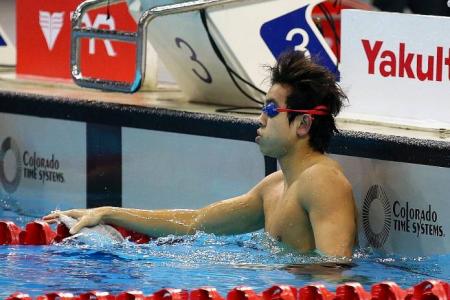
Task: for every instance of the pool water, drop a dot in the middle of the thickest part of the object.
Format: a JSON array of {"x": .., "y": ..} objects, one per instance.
[{"x": 189, "y": 262}]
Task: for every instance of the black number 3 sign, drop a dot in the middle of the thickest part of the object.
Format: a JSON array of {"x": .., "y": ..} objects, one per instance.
[{"x": 206, "y": 77}]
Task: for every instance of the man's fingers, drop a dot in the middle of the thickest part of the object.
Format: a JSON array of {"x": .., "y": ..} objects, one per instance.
[
  {"x": 51, "y": 221},
  {"x": 52, "y": 218},
  {"x": 81, "y": 224},
  {"x": 84, "y": 219},
  {"x": 54, "y": 215}
]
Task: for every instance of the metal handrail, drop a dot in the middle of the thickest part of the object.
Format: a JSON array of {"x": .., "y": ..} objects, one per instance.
[{"x": 139, "y": 38}]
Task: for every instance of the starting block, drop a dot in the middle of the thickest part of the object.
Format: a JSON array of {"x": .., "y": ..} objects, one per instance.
[{"x": 213, "y": 59}]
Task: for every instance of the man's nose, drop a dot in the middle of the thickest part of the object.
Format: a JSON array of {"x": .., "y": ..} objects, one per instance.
[{"x": 262, "y": 119}]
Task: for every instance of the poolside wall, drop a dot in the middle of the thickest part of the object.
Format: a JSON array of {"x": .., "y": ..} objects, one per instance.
[{"x": 121, "y": 155}]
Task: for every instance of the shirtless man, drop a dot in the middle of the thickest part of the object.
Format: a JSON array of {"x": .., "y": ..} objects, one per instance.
[{"x": 307, "y": 205}]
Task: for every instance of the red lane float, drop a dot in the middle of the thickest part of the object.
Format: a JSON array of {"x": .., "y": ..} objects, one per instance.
[
  {"x": 430, "y": 290},
  {"x": 280, "y": 292},
  {"x": 386, "y": 290},
  {"x": 351, "y": 291},
  {"x": 40, "y": 233},
  {"x": 57, "y": 295},
  {"x": 19, "y": 296},
  {"x": 9, "y": 233},
  {"x": 243, "y": 293},
  {"x": 132, "y": 295},
  {"x": 315, "y": 292},
  {"x": 205, "y": 293},
  {"x": 171, "y": 294},
  {"x": 37, "y": 233},
  {"x": 96, "y": 295}
]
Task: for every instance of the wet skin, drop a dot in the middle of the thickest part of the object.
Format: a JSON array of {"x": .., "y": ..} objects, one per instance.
[{"x": 307, "y": 205}]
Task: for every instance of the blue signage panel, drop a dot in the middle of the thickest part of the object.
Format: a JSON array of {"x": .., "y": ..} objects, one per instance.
[
  {"x": 2, "y": 42},
  {"x": 292, "y": 31}
]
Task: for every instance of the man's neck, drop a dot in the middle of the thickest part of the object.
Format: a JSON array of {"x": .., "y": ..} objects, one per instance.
[{"x": 296, "y": 161}]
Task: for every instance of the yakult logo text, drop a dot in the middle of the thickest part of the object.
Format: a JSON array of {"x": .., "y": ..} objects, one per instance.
[{"x": 402, "y": 63}]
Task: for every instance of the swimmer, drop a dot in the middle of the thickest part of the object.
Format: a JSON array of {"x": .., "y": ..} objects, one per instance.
[{"x": 307, "y": 205}]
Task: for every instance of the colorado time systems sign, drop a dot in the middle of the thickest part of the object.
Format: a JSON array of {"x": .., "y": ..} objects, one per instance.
[
  {"x": 16, "y": 165},
  {"x": 383, "y": 217},
  {"x": 394, "y": 68}
]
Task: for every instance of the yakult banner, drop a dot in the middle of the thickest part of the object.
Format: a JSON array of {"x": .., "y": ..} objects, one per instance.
[
  {"x": 397, "y": 66},
  {"x": 44, "y": 33},
  {"x": 42, "y": 164}
]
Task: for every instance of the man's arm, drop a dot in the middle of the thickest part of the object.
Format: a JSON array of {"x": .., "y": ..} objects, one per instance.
[
  {"x": 331, "y": 209},
  {"x": 233, "y": 216}
]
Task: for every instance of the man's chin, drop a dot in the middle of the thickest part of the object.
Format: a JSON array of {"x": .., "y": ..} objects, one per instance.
[{"x": 266, "y": 152}]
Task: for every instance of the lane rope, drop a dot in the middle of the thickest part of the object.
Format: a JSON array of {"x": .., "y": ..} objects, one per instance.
[{"x": 386, "y": 290}]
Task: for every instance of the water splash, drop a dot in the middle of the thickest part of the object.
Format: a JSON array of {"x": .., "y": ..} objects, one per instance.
[{"x": 254, "y": 259}]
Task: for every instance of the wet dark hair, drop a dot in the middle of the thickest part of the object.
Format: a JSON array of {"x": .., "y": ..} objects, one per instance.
[{"x": 312, "y": 85}]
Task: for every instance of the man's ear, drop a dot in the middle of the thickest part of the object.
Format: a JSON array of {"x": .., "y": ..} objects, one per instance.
[{"x": 304, "y": 125}]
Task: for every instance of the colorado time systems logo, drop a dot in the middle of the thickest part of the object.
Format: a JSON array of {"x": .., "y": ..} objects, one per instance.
[
  {"x": 9, "y": 147},
  {"x": 380, "y": 216},
  {"x": 16, "y": 165},
  {"x": 376, "y": 216}
]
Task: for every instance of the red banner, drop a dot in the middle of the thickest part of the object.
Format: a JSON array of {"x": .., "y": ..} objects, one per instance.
[{"x": 43, "y": 40}]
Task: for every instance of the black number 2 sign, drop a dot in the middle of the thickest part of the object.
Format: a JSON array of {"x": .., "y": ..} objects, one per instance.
[{"x": 206, "y": 77}]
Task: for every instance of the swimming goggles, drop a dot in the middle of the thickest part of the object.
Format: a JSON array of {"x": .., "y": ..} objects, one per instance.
[{"x": 271, "y": 110}]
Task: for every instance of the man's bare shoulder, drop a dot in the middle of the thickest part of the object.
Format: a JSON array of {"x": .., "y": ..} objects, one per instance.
[
  {"x": 324, "y": 181},
  {"x": 325, "y": 171},
  {"x": 270, "y": 180}
]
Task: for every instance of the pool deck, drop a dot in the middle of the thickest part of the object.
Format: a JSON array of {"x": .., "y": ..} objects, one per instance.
[{"x": 154, "y": 110}]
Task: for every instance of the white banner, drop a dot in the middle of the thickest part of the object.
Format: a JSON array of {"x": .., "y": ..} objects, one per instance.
[
  {"x": 172, "y": 170},
  {"x": 186, "y": 49},
  {"x": 396, "y": 67},
  {"x": 401, "y": 207},
  {"x": 42, "y": 163}
]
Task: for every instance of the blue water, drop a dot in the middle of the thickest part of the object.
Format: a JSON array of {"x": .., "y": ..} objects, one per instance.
[{"x": 254, "y": 260}]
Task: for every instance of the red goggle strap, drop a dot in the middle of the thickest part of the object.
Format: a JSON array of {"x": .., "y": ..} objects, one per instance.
[{"x": 319, "y": 110}]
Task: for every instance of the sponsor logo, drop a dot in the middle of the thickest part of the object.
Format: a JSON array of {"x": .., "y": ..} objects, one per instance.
[
  {"x": 10, "y": 159},
  {"x": 380, "y": 216},
  {"x": 29, "y": 165},
  {"x": 41, "y": 168},
  {"x": 376, "y": 216},
  {"x": 403, "y": 63},
  {"x": 417, "y": 221},
  {"x": 296, "y": 30},
  {"x": 51, "y": 25},
  {"x": 2, "y": 42},
  {"x": 101, "y": 20}
]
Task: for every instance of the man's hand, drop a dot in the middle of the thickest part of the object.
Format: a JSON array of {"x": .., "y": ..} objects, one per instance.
[{"x": 85, "y": 217}]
